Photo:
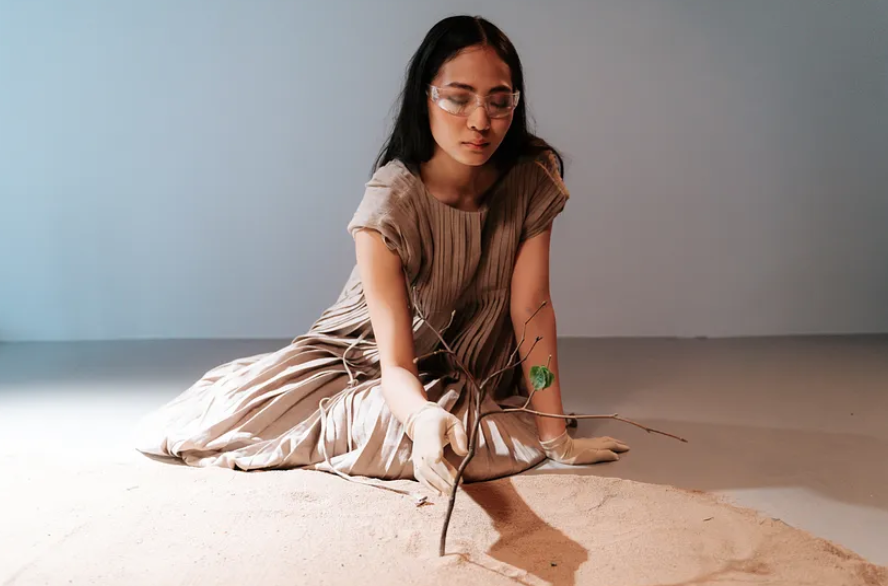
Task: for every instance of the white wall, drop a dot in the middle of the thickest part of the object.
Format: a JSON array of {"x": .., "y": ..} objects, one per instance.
[{"x": 187, "y": 169}]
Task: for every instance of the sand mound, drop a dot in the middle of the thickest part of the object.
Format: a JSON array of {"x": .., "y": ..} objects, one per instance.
[{"x": 135, "y": 521}]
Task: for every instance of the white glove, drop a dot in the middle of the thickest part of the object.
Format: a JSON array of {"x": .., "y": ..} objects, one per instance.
[
  {"x": 585, "y": 450},
  {"x": 432, "y": 428}
]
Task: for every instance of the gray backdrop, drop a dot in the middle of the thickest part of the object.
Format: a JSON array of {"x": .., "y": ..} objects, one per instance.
[{"x": 187, "y": 169}]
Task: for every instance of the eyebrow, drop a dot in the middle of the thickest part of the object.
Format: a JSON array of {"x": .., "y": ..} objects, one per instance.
[{"x": 465, "y": 86}]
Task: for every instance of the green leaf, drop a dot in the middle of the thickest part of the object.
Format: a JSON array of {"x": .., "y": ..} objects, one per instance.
[{"x": 541, "y": 377}]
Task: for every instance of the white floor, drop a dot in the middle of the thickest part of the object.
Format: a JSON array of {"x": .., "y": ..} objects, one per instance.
[{"x": 795, "y": 427}]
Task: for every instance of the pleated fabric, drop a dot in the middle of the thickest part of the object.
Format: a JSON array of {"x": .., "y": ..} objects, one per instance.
[{"x": 317, "y": 403}]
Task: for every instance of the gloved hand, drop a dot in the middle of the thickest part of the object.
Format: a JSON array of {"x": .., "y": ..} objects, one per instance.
[
  {"x": 584, "y": 450},
  {"x": 431, "y": 428}
]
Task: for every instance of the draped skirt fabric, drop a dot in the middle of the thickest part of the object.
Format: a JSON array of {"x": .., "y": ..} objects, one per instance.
[{"x": 301, "y": 407}]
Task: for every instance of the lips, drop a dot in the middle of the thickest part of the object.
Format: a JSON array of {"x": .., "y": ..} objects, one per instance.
[{"x": 477, "y": 144}]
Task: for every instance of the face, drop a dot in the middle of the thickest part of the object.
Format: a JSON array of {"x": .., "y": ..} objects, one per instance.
[{"x": 471, "y": 140}]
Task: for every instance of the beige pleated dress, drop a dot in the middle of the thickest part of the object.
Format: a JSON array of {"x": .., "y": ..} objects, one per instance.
[{"x": 317, "y": 402}]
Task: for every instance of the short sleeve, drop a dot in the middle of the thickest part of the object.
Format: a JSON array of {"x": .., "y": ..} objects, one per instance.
[
  {"x": 548, "y": 195},
  {"x": 383, "y": 210}
]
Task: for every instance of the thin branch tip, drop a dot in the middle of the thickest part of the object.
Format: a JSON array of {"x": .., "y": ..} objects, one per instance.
[{"x": 476, "y": 395}]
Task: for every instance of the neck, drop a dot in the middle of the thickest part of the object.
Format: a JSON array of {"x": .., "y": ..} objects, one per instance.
[{"x": 456, "y": 183}]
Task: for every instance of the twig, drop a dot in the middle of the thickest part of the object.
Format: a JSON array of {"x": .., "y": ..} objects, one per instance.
[
  {"x": 614, "y": 416},
  {"x": 444, "y": 343},
  {"x": 524, "y": 330},
  {"x": 429, "y": 355},
  {"x": 513, "y": 365},
  {"x": 477, "y": 392},
  {"x": 475, "y": 428},
  {"x": 517, "y": 350}
]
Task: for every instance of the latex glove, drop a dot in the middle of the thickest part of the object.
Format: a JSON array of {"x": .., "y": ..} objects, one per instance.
[
  {"x": 584, "y": 450},
  {"x": 432, "y": 428}
]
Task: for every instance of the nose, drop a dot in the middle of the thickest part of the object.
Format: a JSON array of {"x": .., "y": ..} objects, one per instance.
[{"x": 479, "y": 121}]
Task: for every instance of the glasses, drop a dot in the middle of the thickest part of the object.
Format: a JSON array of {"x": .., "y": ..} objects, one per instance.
[{"x": 460, "y": 102}]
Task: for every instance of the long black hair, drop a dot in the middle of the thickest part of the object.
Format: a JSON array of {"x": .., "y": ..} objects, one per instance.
[{"x": 411, "y": 140}]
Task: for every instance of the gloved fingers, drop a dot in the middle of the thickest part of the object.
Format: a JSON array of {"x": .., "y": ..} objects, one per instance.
[
  {"x": 421, "y": 478},
  {"x": 609, "y": 443},
  {"x": 446, "y": 472},
  {"x": 595, "y": 443},
  {"x": 591, "y": 456},
  {"x": 432, "y": 479},
  {"x": 596, "y": 449},
  {"x": 456, "y": 433},
  {"x": 581, "y": 451},
  {"x": 606, "y": 456},
  {"x": 432, "y": 474}
]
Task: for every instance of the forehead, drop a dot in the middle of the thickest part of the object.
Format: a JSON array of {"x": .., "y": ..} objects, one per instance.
[{"x": 479, "y": 67}]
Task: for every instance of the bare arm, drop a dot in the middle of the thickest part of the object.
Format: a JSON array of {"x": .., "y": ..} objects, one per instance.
[
  {"x": 386, "y": 292},
  {"x": 530, "y": 287}
]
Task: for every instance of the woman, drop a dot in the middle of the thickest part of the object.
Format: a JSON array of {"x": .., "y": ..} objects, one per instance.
[{"x": 455, "y": 227}]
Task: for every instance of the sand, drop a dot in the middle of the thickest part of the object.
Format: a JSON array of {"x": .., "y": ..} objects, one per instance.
[{"x": 135, "y": 521}]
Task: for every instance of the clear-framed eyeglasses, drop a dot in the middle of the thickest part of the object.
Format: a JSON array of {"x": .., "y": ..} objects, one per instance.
[{"x": 462, "y": 102}]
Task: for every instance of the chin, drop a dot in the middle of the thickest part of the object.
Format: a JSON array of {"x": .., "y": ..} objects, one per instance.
[
  {"x": 472, "y": 159},
  {"x": 474, "y": 162}
]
